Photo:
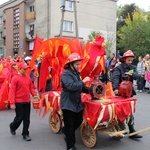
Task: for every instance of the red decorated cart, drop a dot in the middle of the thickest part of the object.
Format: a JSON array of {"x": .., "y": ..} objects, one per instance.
[
  {"x": 103, "y": 116},
  {"x": 106, "y": 114}
]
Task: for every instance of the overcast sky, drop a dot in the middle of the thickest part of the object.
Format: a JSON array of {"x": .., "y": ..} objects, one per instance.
[
  {"x": 145, "y": 4},
  {"x": 3, "y": 1}
]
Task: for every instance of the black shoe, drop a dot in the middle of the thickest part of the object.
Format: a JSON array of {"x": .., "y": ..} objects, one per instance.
[
  {"x": 11, "y": 131},
  {"x": 136, "y": 136},
  {"x": 132, "y": 130},
  {"x": 73, "y": 148},
  {"x": 26, "y": 138}
]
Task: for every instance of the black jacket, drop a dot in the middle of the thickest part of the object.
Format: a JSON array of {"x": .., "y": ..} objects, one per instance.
[
  {"x": 119, "y": 74},
  {"x": 72, "y": 86}
]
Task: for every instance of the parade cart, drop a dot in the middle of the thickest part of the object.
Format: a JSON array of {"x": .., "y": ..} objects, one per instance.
[
  {"x": 104, "y": 116},
  {"x": 103, "y": 113}
]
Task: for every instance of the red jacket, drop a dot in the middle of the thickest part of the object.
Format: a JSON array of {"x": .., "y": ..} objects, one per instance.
[{"x": 20, "y": 89}]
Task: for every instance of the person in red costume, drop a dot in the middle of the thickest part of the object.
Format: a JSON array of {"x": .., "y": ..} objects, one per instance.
[
  {"x": 19, "y": 96},
  {"x": 45, "y": 74},
  {"x": 13, "y": 70}
]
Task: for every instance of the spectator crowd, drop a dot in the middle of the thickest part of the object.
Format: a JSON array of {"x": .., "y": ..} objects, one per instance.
[{"x": 143, "y": 69}]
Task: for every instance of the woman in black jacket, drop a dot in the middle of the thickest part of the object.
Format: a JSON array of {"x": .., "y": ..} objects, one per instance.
[
  {"x": 70, "y": 100},
  {"x": 121, "y": 71}
]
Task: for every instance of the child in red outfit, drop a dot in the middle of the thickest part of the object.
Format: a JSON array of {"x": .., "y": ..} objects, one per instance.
[{"x": 20, "y": 89}]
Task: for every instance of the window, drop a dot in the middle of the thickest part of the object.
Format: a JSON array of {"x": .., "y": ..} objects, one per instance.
[
  {"x": 16, "y": 10},
  {"x": 68, "y": 26},
  {"x": 31, "y": 8},
  {"x": 0, "y": 35},
  {"x": 0, "y": 19},
  {"x": 62, "y": 3},
  {"x": 1, "y": 51},
  {"x": 69, "y": 6},
  {"x": 16, "y": 40},
  {"x": 16, "y": 18},
  {"x": 31, "y": 45},
  {"x": 31, "y": 26},
  {"x": 31, "y": 31}
]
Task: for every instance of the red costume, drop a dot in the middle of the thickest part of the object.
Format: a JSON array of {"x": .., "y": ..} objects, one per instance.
[{"x": 20, "y": 89}]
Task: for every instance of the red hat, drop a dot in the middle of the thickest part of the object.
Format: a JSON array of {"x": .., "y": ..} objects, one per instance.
[
  {"x": 12, "y": 63},
  {"x": 23, "y": 65},
  {"x": 18, "y": 58},
  {"x": 72, "y": 58},
  {"x": 128, "y": 53}
]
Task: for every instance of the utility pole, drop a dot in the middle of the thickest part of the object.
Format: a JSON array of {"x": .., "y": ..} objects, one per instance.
[
  {"x": 75, "y": 17},
  {"x": 62, "y": 17},
  {"x": 48, "y": 19}
]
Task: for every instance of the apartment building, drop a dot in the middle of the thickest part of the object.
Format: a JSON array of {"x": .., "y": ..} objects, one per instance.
[{"x": 22, "y": 20}]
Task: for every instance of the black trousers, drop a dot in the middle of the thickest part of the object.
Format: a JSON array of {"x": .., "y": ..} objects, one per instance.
[
  {"x": 131, "y": 121},
  {"x": 140, "y": 83},
  {"x": 72, "y": 121},
  {"x": 22, "y": 114}
]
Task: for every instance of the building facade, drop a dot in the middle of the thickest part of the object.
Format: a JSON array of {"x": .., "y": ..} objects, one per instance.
[{"x": 22, "y": 20}]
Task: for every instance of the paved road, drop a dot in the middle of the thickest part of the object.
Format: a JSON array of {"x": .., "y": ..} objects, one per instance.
[{"x": 44, "y": 139}]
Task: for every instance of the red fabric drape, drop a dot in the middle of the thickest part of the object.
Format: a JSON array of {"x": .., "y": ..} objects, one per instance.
[
  {"x": 37, "y": 42},
  {"x": 115, "y": 107}
]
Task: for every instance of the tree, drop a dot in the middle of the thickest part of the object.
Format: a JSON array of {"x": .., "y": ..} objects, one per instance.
[
  {"x": 109, "y": 41},
  {"x": 122, "y": 13},
  {"x": 93, "y": 35},
  {"x": 148, "y": 16},
  {"x": 125, "y": 11},
  {"x": 135, "y": 34}
]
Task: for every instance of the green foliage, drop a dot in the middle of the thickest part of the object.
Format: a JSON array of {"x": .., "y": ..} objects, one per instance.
[
  {"x": 135, "y": 35},
  {"x": 109, "y": 41},
  {"x": 93, "y": 35},
  {"x": 148, "y": 17},
  {"x": 125, "y": 11},
  {"x": 83, "y": 43}
]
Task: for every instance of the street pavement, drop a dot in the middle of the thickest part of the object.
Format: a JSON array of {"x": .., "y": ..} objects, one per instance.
[{"x": 44, "y": 139}]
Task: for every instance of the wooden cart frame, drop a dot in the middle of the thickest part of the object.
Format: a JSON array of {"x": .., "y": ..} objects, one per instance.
[
  {"x": 113, "y": 128},
  {"x": 87, "y": 133}
]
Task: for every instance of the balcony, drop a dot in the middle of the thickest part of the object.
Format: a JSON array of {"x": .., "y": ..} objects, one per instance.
[
  {"x": 30, "y": 16},
  {"x": 30, "y": 36}
]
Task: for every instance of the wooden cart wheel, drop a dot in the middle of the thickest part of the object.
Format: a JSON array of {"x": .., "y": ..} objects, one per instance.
[
  {"x": 88, "y": 135},
  {"x": 55, "y": 123}
]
